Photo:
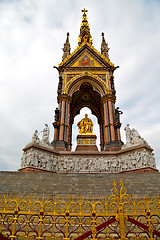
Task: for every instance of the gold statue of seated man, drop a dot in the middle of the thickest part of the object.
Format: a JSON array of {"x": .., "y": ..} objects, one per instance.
[{"x": 85, "y": 126}]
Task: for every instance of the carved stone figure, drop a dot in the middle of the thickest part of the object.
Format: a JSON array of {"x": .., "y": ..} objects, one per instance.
[
  {"x": 85, "y": 126},
  {"x": 137, "y": 139},
  {"x": 128, "y": 135},
  {"x": 45, "y": 136},
  {"x": 112, "y": 82},
  {"x": 117, "y": 114},
  {"x": 60, "y": 84},
  {"x": 56, "y": 116},
  {"x": 133, "y": 137},
  {"x": 35, "y": 138}
]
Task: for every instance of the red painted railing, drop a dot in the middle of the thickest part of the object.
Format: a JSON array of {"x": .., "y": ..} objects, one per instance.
[
  {"x": 142, "y": 225},
  {"x": 3, "y": 237},
  {"x": 98, "y": 228}
]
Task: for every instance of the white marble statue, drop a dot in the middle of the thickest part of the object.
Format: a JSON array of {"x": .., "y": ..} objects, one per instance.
[
  {"x": 133, "y": 138},
  {"x": 35, "y": 138},
  {"x": 45, "y": 136},
  {"x": 129, "y": 136}
]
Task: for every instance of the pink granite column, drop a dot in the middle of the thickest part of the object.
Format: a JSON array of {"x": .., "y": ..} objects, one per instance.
[
  {"x": 55, "y": 134},
  {"x": 111, "y": 120},
  {"x": 70, "y": 140},
  {"x": 101, "y": 136},
  {"x": 61, "y": 132},
  {"x": 67, "y": 127},
  {"x": 118, "y": 134},
  {"x": 106, "y": 139}
]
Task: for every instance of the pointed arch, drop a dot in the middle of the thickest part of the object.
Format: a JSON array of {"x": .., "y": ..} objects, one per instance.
[{"x": 94, "y": 81}]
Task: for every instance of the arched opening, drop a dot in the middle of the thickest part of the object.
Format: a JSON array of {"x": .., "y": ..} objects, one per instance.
[
  {"x": 96, "y": 84},
  {"x": 86, "y": 97},
  {"x": 75, "y": 131},
  {"x": 90, "y": 100}
]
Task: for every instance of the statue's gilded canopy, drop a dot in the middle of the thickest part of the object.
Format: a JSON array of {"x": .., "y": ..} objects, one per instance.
[
  {"x": 86, "y": 73},
  {"x": 86, "y": 79}
]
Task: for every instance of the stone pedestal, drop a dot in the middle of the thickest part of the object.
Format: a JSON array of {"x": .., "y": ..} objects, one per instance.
[
  {"x": 38, "y": 157},
  {"x": 86, "y": 142},
  {"x": 113, "y": 146}
]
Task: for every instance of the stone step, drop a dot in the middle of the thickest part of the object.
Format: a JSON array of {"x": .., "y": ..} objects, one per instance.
[{"x": 48, "y": 183}]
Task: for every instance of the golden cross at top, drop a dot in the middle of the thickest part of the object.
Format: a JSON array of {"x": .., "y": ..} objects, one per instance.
[{"x": 84, "y": 11}]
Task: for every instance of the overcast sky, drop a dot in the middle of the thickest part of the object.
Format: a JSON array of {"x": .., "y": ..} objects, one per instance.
[{"x": 32, "y": 34}]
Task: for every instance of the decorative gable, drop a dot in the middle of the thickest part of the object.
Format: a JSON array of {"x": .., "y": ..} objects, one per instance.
[
  {"x": 75, "y": 59},
  {"x": 86, "y": 61}
]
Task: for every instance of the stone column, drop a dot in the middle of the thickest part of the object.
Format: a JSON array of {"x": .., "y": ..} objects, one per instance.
[
  {"x": 101, "y": 136},
  {"x": 65, "y": 121},
  {"x": 61, "y": 132},
  {"x": 70, "y": 136},
  {"x": 118, "y": 134},
  {"x": 55, "y": 134},
  {"x": 68, "y": 120},
  {"x": 111, "y": 120},
  {"x": 106, "y": 138}
]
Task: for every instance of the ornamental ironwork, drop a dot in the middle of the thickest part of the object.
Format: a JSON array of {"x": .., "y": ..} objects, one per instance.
[{"x": 118, "y": 216}]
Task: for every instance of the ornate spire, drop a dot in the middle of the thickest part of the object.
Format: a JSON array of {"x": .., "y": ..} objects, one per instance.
[
  {"x": 104, "y": 47},
  {"x": 67, "y": 48},
  {"x": 84, "y": 35}
]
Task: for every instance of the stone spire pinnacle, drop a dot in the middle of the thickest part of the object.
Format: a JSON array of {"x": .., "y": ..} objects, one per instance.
[
  {"x": 67, "y": 48},
  {"x": 104, "y": 47},
  {"x": 84, "y": 35}
]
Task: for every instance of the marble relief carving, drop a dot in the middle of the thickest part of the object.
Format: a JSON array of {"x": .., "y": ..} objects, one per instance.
[
  {"x": 125, "y": 161},
  {"x": 65, "y": 163}
]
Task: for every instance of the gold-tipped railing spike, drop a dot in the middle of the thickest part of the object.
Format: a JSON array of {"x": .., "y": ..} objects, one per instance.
[{"x": 119, "y": 197}]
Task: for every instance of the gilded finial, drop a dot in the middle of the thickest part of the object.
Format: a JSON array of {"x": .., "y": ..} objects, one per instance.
[
  {"x": 84, "y": 10},
  {"x": 84, "y": 35}
]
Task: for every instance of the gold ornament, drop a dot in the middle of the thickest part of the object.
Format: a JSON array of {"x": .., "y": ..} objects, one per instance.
[{"x": 85, "y": 126}]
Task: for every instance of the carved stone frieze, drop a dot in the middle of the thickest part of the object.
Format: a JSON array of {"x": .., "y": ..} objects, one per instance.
[{"x": 48, "y": 159}]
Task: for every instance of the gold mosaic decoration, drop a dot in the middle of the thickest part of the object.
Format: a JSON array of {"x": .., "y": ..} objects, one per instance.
[{"x": 86, "y": 61}]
